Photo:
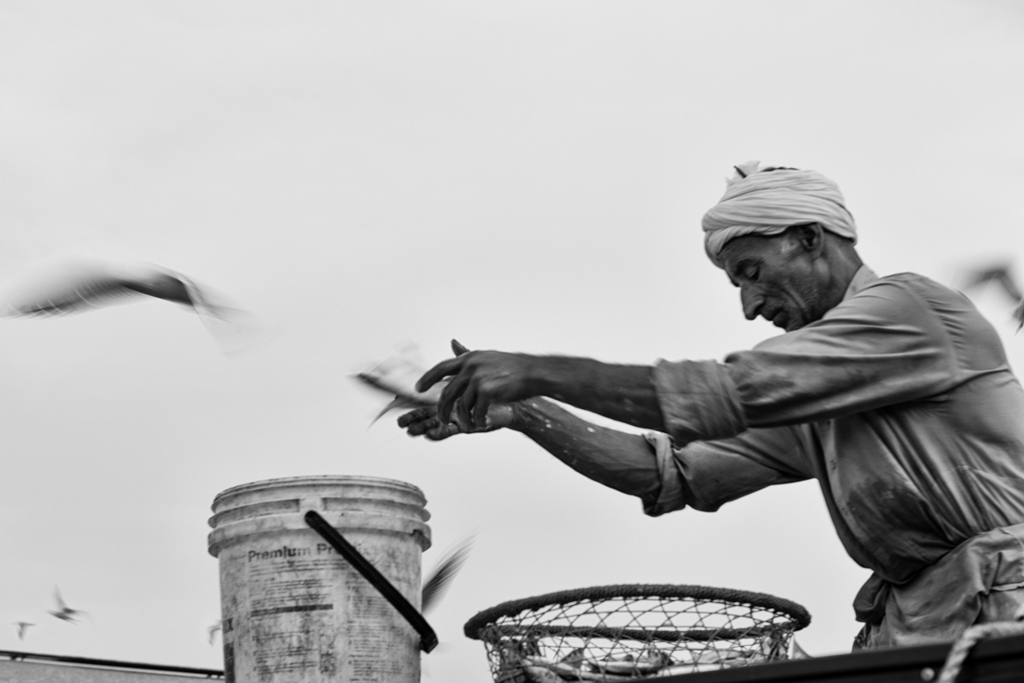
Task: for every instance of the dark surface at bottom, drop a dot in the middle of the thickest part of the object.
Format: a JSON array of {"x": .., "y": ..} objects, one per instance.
[{"x": 996, "y": 660}]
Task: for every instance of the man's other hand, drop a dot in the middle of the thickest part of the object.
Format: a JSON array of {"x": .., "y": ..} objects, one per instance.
[{"x": 425, "y": 422}]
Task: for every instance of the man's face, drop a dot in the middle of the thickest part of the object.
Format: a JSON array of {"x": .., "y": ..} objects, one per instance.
[{"x": 779, "y": 278}]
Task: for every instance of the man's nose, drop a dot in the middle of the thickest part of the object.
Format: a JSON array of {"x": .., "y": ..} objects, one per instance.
[{"x": 752, "y": 302}]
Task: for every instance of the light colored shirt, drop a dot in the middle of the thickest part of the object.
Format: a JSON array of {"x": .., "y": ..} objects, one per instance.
[{"x": 901, "y": 403}]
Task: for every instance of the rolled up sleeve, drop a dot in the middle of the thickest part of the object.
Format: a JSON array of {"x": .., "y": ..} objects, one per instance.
[
  {"x": 705, "y": 475},
  {"x": 698, "y": 400}
]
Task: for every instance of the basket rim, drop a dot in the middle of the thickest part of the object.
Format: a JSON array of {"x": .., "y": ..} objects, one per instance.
[{"x": 476, "y": 624}]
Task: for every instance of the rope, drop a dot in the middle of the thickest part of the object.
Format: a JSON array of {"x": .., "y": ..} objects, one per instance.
[{"x": 960, "y": 649}]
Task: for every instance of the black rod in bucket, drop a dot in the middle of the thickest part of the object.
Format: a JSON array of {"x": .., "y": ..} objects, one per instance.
[{"x": 428, "y": 639}]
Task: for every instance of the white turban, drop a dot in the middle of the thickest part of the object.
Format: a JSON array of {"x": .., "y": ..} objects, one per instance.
[{"x": 767, "y": 202}]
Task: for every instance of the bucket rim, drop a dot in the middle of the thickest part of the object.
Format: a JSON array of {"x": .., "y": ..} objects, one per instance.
[{"x": 315, "y": 479}]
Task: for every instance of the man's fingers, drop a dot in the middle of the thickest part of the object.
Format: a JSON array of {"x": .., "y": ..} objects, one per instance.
[
  {"x": 448, "y": 397},
  {"x": 480, "y": 410},
  {"x": 443, "y": 431},
  {"x": 424, "y": 422},
  {"x": 419, "y": 428},
  {"x": 422, "y": 427},
  {"x": 419, "y": 422},
  {"x": 464, "y": 406},
  {"x": 417, "y": 415},
  {"x": 439, "y": 372},
  {"x": 452, "y": 398}
]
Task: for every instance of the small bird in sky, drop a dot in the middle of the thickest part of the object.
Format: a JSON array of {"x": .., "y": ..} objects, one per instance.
[
  {"x": 212, "y": 631},
  {"x": 84, "y": 285},
  {"x": 1000, "y": 275},
  {"x": 438, "y": 580},
  {"x": 22, "y": 628},
  {"x": 63, "y": 612}
]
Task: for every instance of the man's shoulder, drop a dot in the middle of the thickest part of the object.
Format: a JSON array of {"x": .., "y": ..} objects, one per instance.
[
  {"x": 911, "y": 283},
  {"x": 916, "y": 300},
  {"x": 908, "y": 278},
  {"x": 901, "y": 297}
]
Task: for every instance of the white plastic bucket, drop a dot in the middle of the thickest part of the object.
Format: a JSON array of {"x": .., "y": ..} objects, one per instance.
[{"x": 293, "y": 610}]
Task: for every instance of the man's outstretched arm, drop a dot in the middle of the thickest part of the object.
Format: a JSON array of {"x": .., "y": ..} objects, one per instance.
[
  {"x": 480, "y": 379},
  {"x": 624, "y": 462}
]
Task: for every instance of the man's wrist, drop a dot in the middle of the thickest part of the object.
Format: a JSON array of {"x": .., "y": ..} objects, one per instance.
[
  {"x": 518, "y": 420},
  {"x": 524, "y": 415},
  {"x": 539, "y": 375},
  {"x": 554, "y": 376}
]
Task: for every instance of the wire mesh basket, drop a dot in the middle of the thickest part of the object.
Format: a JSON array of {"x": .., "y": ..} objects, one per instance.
[{"x": 625, "y": 632}]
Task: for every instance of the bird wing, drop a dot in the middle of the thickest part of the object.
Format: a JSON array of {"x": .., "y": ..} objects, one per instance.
[
  {"x": 398, "y": 403},
  {"x": 999, "y": 274},
  {"x": 975, "y": 277},
  {"x": 75, "y": 289},
  {"x": 1009, "y": 284},
  {"x": 235, "y": 329},
  {"x": 406, "y": 393},
  {"x": 80, "y": 285},
  {"x": 443, "y": 574},
  {"x": 61, "y": 605},
  {"x": 161, "y": 284}
]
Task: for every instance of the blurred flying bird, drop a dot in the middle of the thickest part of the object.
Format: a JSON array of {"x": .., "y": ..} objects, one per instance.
[
  {"x": 212, "y": 631},
  {"x": 443, "y": 574},
  {"x": 84, "y": 285},
  {"x": 397, "y": 377},
  {"x": 1000, "y": 275},
  {"x": 22, "y": 628},
  {"x": 63, "y": 612}
]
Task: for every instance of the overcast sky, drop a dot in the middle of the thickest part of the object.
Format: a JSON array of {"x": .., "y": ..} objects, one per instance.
[{"x": 526, "y": 176}]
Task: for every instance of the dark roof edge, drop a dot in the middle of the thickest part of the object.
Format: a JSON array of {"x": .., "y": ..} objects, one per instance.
[{"x": 110, "y": 664}]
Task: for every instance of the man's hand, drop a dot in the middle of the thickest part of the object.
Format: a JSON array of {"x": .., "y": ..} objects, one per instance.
[
  {"x": 425, "y": 422},
  {"x": 480, "y": 380}
]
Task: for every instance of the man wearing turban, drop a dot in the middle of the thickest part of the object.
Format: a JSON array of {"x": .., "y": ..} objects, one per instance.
[{"x": 893, "y": 392}]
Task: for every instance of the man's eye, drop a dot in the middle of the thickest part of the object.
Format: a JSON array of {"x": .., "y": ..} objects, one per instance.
[{"x": 750, "y": 273}]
